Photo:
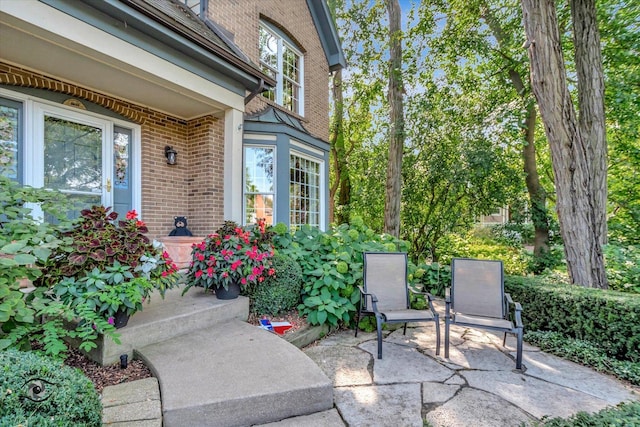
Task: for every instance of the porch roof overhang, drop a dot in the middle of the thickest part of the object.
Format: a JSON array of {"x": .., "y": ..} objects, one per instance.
[{"x": 116, "y": 49}]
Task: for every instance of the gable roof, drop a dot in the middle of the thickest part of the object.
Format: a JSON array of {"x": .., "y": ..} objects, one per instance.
[
  {"x": 181, "y": 20},
  {"x": 328, "y": 34}
]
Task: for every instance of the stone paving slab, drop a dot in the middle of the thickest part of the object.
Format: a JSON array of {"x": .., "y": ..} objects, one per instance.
[
  {"x": 131, "y": 392},
  {"x": 477, "y": 408},
  {"x": 403, "y": 364},
  {"x": 137, "y": 411},
  {"x": 535, "y": 396},
  {"x": 381, "y": 406},
  {"x": 343, "y": 365}
]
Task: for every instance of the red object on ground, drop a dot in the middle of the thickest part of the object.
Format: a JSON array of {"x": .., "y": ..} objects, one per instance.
[{"x": 281, "y": 327}]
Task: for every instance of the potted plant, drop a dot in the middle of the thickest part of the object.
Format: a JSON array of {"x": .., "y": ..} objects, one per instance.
[
  {"x": 108, "y": 268},
  {"x": 231, "y": 257}
]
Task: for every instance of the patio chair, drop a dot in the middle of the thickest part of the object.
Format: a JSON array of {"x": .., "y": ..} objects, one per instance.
[
  {"x": 386, "y": 295},
  {"x": 477, "y": 299}
]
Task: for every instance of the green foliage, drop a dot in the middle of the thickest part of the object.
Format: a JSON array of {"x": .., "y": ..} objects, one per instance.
[
  {"x": 481, "y": 246},
  {"x": 329, "y": 296},
  {"x": 623, "y": 267},
  {"x": 38, "y": 391},
  {"x": 432, "y": 277},
  {"x": 26, "y": 243},
  {"x": 105, "y": 292},
  {"x": 585, "y": 352},
  {"x": 625, "y": 414},
  {"x": 609, "y": 318},
  {"x": 280, "y": 292},
  {"x": 97, "y": 242}
]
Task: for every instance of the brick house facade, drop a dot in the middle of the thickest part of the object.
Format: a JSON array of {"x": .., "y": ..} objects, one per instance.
[{"x": 153, "y": 73}]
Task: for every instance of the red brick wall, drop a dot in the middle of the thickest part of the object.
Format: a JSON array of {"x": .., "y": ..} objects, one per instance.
[
  {"x": 193, "y": 187},
  {"x": 242, "y": 18}
]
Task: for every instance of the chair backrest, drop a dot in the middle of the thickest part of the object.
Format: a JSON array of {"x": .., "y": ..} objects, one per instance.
[
  {"x": 385, "y": 275},
  {"x": 477, "y": 287}
]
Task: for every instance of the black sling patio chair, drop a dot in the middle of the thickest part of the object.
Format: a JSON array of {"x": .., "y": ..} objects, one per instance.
[
  {"x": 385, "y": 295},
  {"x": 477, "y": 300}
]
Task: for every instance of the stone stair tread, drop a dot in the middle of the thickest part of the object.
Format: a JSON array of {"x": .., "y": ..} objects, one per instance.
[{"x": 234, "y": 373}]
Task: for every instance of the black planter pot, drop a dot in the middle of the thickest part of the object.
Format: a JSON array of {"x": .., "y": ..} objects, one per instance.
[
  {"x": 231, "y": 293},
  {"x": 121, "y": 319}
]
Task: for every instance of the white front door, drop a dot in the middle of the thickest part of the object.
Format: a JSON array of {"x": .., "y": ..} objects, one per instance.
[{"x": 73, "y": 153}]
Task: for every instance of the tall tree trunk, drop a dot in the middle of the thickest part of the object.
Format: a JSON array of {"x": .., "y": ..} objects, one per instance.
[
  {"x": 570, "y": 153},
  {"x": 396, "y": 143},
  {"x": 590, "y": 74},
  {"x": 537, "y": 194},
  {"x": 341, "y": 185}
]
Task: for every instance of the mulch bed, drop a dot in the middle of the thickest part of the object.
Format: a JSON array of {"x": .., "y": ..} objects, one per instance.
[{"x": 103, "y": 376}]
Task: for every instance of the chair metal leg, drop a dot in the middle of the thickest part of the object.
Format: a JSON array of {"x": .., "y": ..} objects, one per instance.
[
  {"x": 405, "y": 330},
  {"x": 379, "y": 326},
  {"x": 437, "y": 320},
  {"x": 519, "y": 349}
]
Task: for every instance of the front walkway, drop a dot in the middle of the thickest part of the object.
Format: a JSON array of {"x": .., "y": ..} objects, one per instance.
[{"x": 477, "y": 386}]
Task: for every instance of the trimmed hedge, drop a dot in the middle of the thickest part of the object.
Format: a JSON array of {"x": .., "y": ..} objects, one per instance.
[
  {"x": 609, "y": 318},
  {"x": 36, "y": 390},
  {"x": 280, "y": 292}
]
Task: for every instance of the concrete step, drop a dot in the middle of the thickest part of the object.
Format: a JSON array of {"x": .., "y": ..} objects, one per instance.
[
  {"x": 163, "y": 319},
  {"x": 235, "y": 374}
]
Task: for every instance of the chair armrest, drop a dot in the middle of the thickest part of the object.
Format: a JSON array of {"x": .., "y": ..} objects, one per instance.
[
  {"x": 371, "y": 296},
  {"x": 518, "y": 309},
  {"x": 429, "y": 298}
]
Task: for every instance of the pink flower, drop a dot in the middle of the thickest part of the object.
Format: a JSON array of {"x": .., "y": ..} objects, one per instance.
[
  {"x": 260, "y": 279},
  {"x": 243, "y": 281},
  {"x": 236, "y": 264},
  {"x": 132, "y": 214},
  {"x": 165, "y": 255},
  {"x": 210, "y": 271},
  {"x": 111, "y": 320},
  {"x": 165, "y": 273},
  {"x": 200, "y": 256},
  {"x": 225, "y": 275},
  {"x": 198, "y": 273}
]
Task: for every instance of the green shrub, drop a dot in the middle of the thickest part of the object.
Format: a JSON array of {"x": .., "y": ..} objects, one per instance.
[
  {"x": 38, "y": 391},
  {"x": 626, "y": 414},
  {"x": 433, "y": 277},
  {"x": 623, "y": 267},
  {"x": 586, "y": 353},
  {"x": 329, "y": 295},
  {"x": 482, "y": 246},
  {"x": 25, "y": 244},
  {"x": 609, "y": 318},
  {"x": 280, "y": 292}
]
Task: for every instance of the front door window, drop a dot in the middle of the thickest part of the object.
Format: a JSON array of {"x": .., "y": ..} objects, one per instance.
[{"x": 73, "y": 160}]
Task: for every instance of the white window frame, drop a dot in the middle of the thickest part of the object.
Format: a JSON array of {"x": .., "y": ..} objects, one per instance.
[
  {"x": 282, "y": 42},
  {"x": 321, "y": 185},
  {"x": 34, "y": 110},
  {"x": 275, "y": 180}
]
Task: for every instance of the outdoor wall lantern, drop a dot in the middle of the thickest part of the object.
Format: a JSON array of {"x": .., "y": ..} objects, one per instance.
[{"x": 170, "y": 154}]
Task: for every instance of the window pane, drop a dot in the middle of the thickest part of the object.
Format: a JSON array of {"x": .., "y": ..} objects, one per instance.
[
  {"x": 9, "y": 138},
  {"x": 304, "y": 192},
  {"x": 258, "y": 170},
  {"x": 72, "y": 156},
  {"x": 268, "y": 51},
  {"x": 259, "y": 206},
  {"x": 259, "y": 184}
]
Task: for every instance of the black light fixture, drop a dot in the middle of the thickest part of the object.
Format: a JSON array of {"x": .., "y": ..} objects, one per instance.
[{"x": 170, "y": 154}]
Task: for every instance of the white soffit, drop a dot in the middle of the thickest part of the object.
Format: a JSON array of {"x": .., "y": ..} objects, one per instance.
[{"x": 40, "y": 38}]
